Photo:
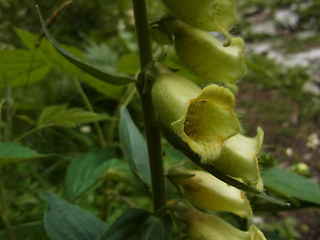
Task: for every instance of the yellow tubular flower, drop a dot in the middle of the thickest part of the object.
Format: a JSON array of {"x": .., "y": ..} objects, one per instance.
[
  {"x": 206, "y": 56},
  {"x": 208, "y": 15},
  {"x": 239, "y": 158},
  {"x": 203, "y": 119},
  {"x": 204, "y": 226},
  {"x": 207, "y": 192}
]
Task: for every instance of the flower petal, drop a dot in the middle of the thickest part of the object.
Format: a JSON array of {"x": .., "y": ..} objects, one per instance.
[
  {"x": 207, "y": 57},
  {"x": 209, "y": 120},
  {"x": 207, "y": 192},
  {"x": 209, "y": 15},
  {"x": 239, "y": 158}
]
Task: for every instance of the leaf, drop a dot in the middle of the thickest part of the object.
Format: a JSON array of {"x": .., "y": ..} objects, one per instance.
[
  {"x": 63, "y": 220},
  {"x": 63, "y": 117},
  {"x": 27, "y": 119},
  {"x": 11, "y": 152},
  {"x": 85, "y": 170},
  {"x": 111, "y": 91},
  {"x": 21, "y": 67},
  {"x": 24, "y": 231},
  {"x": 126, "y": 224},
  {"x": 134, "y": 147},
  {"x": 136, "y": 224},
  {"x": 129, "y": 64},
  {"x": 156, "y": 229},
  {"x": 291, "y": 185},
  {"x": 48, "y": 54},
  {"x": 95, "y": 72}
]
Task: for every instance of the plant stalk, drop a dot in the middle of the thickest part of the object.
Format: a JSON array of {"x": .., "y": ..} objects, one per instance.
[
  {"x": 90, "y": 107},
  {"x": 152, "y": 129}
]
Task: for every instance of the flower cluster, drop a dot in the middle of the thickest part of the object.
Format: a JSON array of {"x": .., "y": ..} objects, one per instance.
[{"x": 204, "y": 119}]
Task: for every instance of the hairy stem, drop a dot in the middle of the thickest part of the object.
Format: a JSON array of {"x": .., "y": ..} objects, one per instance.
[{"x": 152, "y": 129}]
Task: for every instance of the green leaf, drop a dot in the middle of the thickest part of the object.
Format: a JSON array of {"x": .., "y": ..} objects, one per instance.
[
  {"x": 291, "y": 185},
  {"x": 24, "y": 231},
  {"x": 20, "y": 67},
  {"x": 129, "y": 64},
  {"x": 64, "y": 221},
  {"x": 156, "y": 228},
  {"x": 27, "y": 119},
  {"x": 137, "y": 224},
  {"x": 126, "y": 225},
  {"x": 48, "y": 54},
  {"x": 11, "y": 152},
  {"x": 85, "y": 170},
  {"x": 134, "y": 147},
  {"x": 63, "y": 117},
  {"x": 93, "y": 71},
  {"x": 111, "y": 91}
]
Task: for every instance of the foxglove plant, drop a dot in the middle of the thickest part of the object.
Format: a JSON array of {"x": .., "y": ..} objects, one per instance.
[
  {"x": 204, "y": 119},
  {"x": 199, "y": 121}
]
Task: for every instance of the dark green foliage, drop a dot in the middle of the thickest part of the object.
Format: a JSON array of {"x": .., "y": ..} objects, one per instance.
[
  {"x": 63, "y": 220},
  {"x": 136, "y": 224}
]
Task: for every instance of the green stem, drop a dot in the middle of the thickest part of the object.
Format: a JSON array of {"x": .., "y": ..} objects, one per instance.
[
  {"x": 90, "y": 107},
  {"x": 124, "y": 101},
  {"x": 151, "y": 127},
  {"x": 22, "y": 136}
]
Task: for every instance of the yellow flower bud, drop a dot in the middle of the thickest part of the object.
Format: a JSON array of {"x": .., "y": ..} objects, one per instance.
[
  {"x": 203, "y": 119},
  {"x": 208, "y": 15},
  {"x": 239, "y": 158},
  {"x": 207, "y": 192},
  {"x": 206, "y": 56},
  {"x": 204, "y": 226}
]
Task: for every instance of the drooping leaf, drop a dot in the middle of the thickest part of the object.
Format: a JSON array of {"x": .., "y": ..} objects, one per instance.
[
  {"x": 63, "y": 117},
  {"x": 136, "y": 224},
  {"x": 20, "y": 67},
  {"x": 111, "y": 91},
  {"x": 48, "y": 54},
  {"x": 63, "y": 220},
  {"x": 21, "y": 232},
  {"x": 93, "y": 71},
  {"x": 85, "y": 170},
  {"x": 11, "y": 152},
  {"x": 134, "y": 147},
  {"x": 291, "y": 185}
]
